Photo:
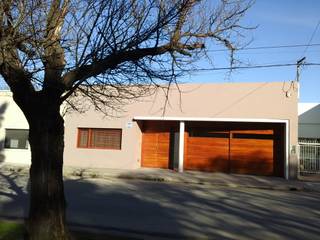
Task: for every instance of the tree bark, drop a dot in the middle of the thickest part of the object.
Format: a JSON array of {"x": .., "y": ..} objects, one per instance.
[{"x": 47, "y": 218}]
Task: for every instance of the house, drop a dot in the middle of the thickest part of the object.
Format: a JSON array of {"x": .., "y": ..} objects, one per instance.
[
  {"x": 14, "y": 130},
  {"x": 232, "y": 127},
  {"x": 245, "y": 128},
  {"x": 309, "y": 122}
]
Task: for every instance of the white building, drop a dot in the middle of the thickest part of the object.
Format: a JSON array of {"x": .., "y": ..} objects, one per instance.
[
  {"x": 14, "y": 129},
  {"x": 309, "y": 121}
]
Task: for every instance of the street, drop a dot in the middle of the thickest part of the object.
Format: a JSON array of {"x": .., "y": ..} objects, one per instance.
[{"x": 176, "y": 211}]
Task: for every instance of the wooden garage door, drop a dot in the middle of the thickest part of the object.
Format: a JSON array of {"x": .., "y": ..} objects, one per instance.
[
  {"x": 251, "y": 152},
  {"x": 207, "y": 151},
  {"x": 234, "y": 151}
]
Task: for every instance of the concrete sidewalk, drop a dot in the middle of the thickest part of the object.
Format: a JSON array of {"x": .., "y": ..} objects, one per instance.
[
  {"x": 187, "y": 177},
  {"x": 205, "y": 178}
]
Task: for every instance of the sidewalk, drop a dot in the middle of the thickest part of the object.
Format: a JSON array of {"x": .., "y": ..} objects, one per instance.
[
  {"x": 205, "y": 178},
  {"x": 187, "y": 177}
]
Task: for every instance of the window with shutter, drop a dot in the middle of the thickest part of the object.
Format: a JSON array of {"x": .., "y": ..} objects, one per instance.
[{"x": 101, "y": 138}]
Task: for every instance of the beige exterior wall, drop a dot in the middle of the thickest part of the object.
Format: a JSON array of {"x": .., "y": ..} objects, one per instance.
[
  {"x": 11, "y": 117},
  {"x": 273, "y": 100},
  {"x": 225, "y": 100},
  {"x": 126, "y": 158}
]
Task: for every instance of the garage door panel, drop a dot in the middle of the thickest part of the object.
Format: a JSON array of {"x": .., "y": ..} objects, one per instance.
[
  {"x": 207, "y": 153},
  {"x": 256, "y": 131},
  {"x": 258, "y": 169},
  {"x": 251, "y": 152},
  {"x": 215, "y": 164}
]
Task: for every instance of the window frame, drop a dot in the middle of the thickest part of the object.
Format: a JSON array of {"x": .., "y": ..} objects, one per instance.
[
  {"x": 11, "y": 148},
  {"x": 89, "y": 138}
]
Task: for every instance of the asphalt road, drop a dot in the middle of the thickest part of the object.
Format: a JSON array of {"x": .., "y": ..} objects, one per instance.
[{"x": 178, "y": 211}]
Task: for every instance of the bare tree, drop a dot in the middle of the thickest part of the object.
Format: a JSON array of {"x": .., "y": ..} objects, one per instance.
[{"x": 107, "y": 51}]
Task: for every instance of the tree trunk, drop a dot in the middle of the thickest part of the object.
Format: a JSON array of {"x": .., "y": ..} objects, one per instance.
[{"x": 47, "y": 220}]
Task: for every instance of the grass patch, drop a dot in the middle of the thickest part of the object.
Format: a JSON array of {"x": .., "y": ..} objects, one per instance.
[
  {"x": 11, "y": 230},
  {"x": 15, "y": 231}
]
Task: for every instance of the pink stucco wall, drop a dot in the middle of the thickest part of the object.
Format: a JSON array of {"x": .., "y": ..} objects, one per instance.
[{"x": 270, "y": 100}]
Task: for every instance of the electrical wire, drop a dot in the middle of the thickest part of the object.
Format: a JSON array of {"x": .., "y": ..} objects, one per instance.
[
  {"x": 255, "y": 66},
  {"x": 311, "y": 38},
  {"x": 269, "y": 47}
]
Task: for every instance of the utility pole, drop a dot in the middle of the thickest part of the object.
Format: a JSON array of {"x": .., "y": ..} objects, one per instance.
[{"x": 300, "y": 62}]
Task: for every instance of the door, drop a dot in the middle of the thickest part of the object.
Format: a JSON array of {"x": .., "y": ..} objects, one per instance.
[
  {"x": 255, "y": 149},
  {"x": 155, "y": 149},
  {"x": 207, "y": 151},
  {"x": 252, "y": 152}
]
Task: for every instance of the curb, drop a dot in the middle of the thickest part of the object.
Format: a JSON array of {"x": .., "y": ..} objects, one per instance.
[
  {"x": 91, "y": 174},
  {"x": 219, "y": 184}
]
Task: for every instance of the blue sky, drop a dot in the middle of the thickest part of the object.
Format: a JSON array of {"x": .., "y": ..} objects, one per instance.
[{"x": 280, "y": 22}]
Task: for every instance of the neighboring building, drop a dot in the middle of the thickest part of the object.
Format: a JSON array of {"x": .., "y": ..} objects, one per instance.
[
  {"x": 309, "y": 122},
  {"x": 14, "y": 129},
  {"x": 248, "y": 128}
]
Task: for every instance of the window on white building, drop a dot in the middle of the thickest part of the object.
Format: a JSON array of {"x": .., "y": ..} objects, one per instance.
[{"x": 16, "y": 138}]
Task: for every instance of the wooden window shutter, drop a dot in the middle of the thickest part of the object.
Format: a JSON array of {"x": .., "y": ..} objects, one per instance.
[
  {"x": 106, "y": 138},
  {"x": 83, "y": 137}
]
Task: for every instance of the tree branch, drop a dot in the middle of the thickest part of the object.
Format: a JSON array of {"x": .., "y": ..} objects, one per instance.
[{"x": 54, "y": 57}]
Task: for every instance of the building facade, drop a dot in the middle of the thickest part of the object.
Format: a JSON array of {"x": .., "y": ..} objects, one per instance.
[
  {"x": 233, "y": 127},
  {"x": 246, "y": 128},
  {"x": 14, "y": 129}
]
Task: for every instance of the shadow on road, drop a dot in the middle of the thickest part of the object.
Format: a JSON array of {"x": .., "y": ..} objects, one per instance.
[
  {"x": 175, "y": 210},
  {"x": 178, "y": 210}
]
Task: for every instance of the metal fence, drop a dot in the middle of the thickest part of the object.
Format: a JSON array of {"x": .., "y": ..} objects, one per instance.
[{"x": 309, "y": 156}]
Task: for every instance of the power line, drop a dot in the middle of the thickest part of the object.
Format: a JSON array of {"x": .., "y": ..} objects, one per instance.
[
  {"x": 311, "y": 38},
  {"x": 269, "y": 47},
  {"x": 255, "y": 66}
]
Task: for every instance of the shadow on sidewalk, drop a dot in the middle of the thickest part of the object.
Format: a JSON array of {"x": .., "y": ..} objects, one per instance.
[{"x": 14, "y": 195}]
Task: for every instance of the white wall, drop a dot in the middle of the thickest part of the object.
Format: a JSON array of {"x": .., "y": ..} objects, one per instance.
[
  {"x": 309, "y": 120},
  {"x": 11, "y": 117}
]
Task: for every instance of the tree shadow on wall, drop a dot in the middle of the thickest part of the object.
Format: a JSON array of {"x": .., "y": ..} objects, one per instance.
[{"x": 3, "y": 108}]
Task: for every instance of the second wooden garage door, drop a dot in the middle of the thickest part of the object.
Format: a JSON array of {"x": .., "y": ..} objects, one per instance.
[
  {"x": 207, "y": 151},
  {"x": 235, "y": 151},
  {"x": 252, "y": 152}
]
